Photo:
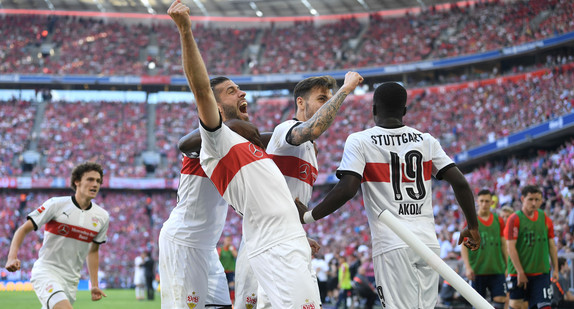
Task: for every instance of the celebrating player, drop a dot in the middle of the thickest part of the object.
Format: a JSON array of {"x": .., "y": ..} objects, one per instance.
[
  {"x": 75, "y": 228},
  {"x": 394, "y": 163},
  {"x": 270, "y": 223}
]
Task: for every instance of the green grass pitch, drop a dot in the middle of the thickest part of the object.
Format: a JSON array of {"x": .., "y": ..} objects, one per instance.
[{"x": 117, "y": 299}]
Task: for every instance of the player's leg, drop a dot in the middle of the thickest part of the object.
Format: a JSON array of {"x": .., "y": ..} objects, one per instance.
[
  {"x": 540, "y": 291},
  {"x": 50, "y": 289},
  {"x": 183, "y": 275},
  {"x": 405, "y": 280},
  {"x": 245, "y": 282},
  {"x": 497, "y": 287},
  {"x": 517, "y": 295},
  {"x": 284, "y": 272},
  {"x": 217, "y": 286}
]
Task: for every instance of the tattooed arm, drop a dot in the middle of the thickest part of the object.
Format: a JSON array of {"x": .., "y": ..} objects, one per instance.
[{"x": 322, "y": 119}]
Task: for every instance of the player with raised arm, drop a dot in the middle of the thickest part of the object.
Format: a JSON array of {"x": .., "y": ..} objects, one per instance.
[
  {"x": 293, "y": 149},
  {"x": 235, "y": 165},
  {"x": 74, "y": 229},
  {"x": 394, "y": 163}
]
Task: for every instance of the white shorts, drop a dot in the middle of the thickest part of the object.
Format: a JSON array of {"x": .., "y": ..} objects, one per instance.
[
  {"x": 245, "y": 281},
  {"x": 190, "y": 277},
  {"x": 139, "y": 277},
  {"x": 51, "y": 288},
  {"x": 405, "y": 280},
  {"x": 284, "y": 273}
]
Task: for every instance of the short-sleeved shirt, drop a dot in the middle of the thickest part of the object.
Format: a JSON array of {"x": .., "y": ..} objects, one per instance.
[
  {"x": 253, "y": 185},
  {"x": 297, "y": 163},
  {"x": 198, "y": 219},
  {"x": 396, "y": 166},
  {"x": 69, "y": 231}
]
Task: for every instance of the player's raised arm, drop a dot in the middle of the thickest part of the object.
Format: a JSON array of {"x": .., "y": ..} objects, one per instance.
[
  {"x": 194, "y": 67},
  {"x": 322, "y": 119}
]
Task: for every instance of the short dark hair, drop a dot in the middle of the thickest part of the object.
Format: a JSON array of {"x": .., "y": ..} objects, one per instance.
[
  {"x": 83, "y": 168},
  {"x": 484, "y": 192},
  {"x": 216, "y": 81},
  {"x": 304, "y": 87},
  {"x": 530, "y": 189},
  {"x": 390, "y": 98}
]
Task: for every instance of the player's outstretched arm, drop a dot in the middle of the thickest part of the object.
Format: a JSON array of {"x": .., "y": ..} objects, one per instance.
[
  {"x": 343, "y": 191},
  {"x": 13, "y": 263},
  {"x": 470, "y": 236},
  {"x": 93, "y": 261},
  {"x": 194, "y": 67},
  {"x": 322, "y": 119}
]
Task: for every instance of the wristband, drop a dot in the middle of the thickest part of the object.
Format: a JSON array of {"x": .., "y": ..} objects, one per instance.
[{"x": 308, "y": 217}]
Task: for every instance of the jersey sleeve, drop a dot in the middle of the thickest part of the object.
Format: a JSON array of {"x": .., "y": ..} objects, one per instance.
[
  {"x": 283, "y": 131},
  {"x": 102, "y": 236},
  {"x": 511, "y": 229},
  {"x": 501, "y": 223},
  {"x": 550, "y": 226},
  {"x": 43, "y": 214},
  {"x": 353, "y": 160},
  {"x": 440, "y": 160}
]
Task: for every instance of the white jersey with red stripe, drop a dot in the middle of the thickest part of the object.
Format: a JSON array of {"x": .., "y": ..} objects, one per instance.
[
  {"x": 69, "y": 231},
  {"x": 198, "y": 219},
  {"x": 396, "y": 167},
  {"x": 297, "y": 163},
  {"x": 253, "y": 185}
]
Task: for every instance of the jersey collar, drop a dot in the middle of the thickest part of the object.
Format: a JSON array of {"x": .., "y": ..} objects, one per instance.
[{"x": 78, "y": 205}]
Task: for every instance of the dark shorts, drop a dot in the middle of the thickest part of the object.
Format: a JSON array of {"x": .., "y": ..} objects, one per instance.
[
  {"x": 496, "y": 284},
  {"x": 538, "y": 289}
]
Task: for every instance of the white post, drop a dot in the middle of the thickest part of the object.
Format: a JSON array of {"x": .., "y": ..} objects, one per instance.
[{"x": 434, "y": 261}]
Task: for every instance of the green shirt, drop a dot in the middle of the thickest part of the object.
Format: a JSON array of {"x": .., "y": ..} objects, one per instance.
[
  {"x": 489, "y": 258},
  {"x": 227, "y": 260},
  {"x": 532, "y": 244}
]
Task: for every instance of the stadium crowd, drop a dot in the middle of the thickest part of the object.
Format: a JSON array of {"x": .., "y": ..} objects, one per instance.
[{"x": 70, "y": 45}]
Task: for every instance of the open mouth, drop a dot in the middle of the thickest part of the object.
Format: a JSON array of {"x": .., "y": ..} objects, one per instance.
[{"x": 243, "y": 107}]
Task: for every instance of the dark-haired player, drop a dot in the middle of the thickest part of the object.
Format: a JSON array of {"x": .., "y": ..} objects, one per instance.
[
  {"x": 394, "y": 164},
  {"x": 530, "y": 240},
  {"x": 486, "y": 267},
  {"x": 249, "y": 181},
  {"x": 74, "y": 229}
]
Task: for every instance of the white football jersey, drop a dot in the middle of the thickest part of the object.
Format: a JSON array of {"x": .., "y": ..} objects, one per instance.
[
  {"x": 253, "y": 185},
  {"x": 69, "y": 231},
  {"x": 396, "y": 167},
  {"x": 198, "y": 219},
  {"x": 297, "y": 163}
]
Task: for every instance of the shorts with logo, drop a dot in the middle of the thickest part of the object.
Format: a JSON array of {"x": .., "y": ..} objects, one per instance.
[
  {"x": 405, "y": 280},
  {"x": 538, "y": 290},
  {"x": 284, "y": 273},
  {"x": 190, "y": 277},
  {"x": 246, "y": 285},
  {"x": 51, "y": 288},
  {"x": 496, "y": 284}
]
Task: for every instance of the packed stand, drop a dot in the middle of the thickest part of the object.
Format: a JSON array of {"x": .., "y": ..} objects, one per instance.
[
  {"x": 222, "y": 49},
  {"x": 15, "y": 128},
  {"x": 173, "y": 121},
  {"x": 78, "y": 47},
  {"x": 109, "y": 132},
  {"x": 305, "y": 47}
]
